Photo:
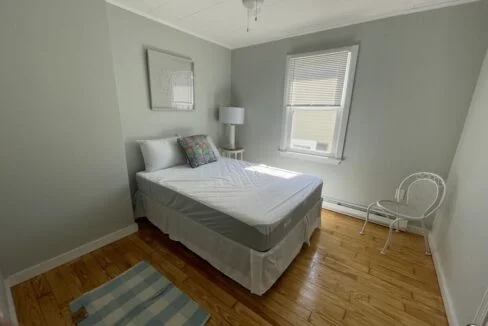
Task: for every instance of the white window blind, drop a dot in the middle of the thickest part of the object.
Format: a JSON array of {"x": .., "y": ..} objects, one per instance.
[
  {"x": 317, "y": 80},
  {"x": 318, "y": 91}
]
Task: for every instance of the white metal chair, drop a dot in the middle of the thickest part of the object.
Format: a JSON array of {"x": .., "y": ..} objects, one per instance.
[{"x": 419, "y": 196}]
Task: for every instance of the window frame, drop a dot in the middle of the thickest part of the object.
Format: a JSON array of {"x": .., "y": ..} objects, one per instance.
[{"x": 342, "y": 118}]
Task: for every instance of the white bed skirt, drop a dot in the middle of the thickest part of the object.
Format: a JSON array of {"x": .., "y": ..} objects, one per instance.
[{"x": 256, "y": 271}]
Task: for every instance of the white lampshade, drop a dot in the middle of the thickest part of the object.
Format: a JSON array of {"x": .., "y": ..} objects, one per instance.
[{"x": 231, "y": 115}]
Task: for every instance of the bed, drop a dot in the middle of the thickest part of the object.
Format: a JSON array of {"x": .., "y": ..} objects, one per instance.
[{"x": 247, "y": 220}]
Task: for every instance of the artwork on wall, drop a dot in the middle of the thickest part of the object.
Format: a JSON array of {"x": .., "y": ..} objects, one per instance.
[{"x": 171, "y": 82}]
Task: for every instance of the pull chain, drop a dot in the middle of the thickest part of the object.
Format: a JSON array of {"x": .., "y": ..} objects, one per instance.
[
  {"x": 252, "y": 10},
  {"x": 256, "y": 11},
  {"x": 248, "y": 19}
]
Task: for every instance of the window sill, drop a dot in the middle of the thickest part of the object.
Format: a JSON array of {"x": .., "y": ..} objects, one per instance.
[{"x": 309, "y": 157}]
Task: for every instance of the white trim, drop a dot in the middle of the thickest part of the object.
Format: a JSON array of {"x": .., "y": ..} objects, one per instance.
[
  {"x": 362, "y": 215},
  {"x": 309, "y": 157},
  {"x": 373, "y": 217},
  {"x": 11, "y": 305},
  {"x": 337, "y": 146},
  {"x": 481, "y": 317},
  {"x": 441, "y": 278},
  {"x": 164, "y": 22},
  {"x": 286, "y": 118},
  {"x": 347, "y": 97},
  {"x": 415, "y": 229},
  {"x": 49, "y": 264},
  {"x": 329, "y": 26}
]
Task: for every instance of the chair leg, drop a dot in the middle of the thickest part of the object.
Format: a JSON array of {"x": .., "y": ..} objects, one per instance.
[
  {"x": 397, "y": 226},
  {"x": 388, "y": 240},
  {"x": 367, "y": 218},
  {"x": 426, "y": 239}
]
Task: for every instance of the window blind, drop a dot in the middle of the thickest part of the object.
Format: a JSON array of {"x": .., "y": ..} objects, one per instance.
[{"x": 317, "y": 80}]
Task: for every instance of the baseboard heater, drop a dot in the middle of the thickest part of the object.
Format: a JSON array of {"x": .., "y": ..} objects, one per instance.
[{"x": 359, "y": 211}]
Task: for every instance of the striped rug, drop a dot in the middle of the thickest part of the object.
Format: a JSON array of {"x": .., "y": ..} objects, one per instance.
[{"x": 140, "y": 296}]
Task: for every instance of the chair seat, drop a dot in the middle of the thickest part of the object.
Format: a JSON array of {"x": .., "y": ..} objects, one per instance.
[{"x": 403, "y": 210}]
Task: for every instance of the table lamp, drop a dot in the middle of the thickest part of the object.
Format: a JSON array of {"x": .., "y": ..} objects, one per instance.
[{"x": 231, "y": 116}]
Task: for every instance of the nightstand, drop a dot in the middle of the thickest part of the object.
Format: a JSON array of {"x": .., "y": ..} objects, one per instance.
[{"x": 237, "y": 153}]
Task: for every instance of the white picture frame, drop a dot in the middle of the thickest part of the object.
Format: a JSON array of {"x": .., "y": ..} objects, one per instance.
[{"x": 171, "y": 82}]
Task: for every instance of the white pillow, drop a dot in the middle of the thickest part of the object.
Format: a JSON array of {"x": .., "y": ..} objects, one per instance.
[
  {"x": 161, "y": 153},
  {"x": 214, "y": 148}
]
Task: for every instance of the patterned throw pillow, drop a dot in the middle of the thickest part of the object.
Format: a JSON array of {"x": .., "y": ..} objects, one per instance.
[{"x": 198, "y": 150}]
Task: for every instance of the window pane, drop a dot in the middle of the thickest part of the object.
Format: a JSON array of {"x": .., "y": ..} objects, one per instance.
[{"x": 313, "y": 130}]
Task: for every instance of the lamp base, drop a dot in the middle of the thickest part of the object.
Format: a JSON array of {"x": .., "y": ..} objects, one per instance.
[{"x": 231, "y": 134}]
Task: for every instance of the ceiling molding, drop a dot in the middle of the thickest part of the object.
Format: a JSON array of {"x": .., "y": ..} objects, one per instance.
[
  {"x": 326, "y": 27},
  {"x": 161, "y": 21},
  {"x": 311, "y": 30}
]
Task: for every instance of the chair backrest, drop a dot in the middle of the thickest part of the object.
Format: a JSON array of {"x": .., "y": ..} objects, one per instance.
[{"x": 424, "y": 190}]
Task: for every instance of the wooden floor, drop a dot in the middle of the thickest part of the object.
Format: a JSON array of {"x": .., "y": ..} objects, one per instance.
[{"x": 341, "y": 279}]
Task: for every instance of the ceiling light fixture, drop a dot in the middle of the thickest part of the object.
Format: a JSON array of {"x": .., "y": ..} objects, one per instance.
[{"x": 253, "y": 10}]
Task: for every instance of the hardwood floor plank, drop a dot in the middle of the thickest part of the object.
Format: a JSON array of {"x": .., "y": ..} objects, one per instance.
[
  {"x": 375, "y": 316},
  {"x": 401, "y": 317},
  {"x": 340, "y": 279},
  {"x": 65, "y": 284},
  {"x": 432, "y": 301},
  {"x": 96, "y": 272},
  {"x": 87, "y": 278},
  {"x": 254, "y": 318},
  {"x": 403, "y": 280},
  {"x": 41, "y": 286},
  {"x": 112, "y": 270},
  {"x": 216, "y": 289},
  {"x": 101, "y": 259},
  {"x": 147, "y": 243},
  {"x": 423, "y": 273},
  {"x": 425, "y": 313},
  {"x": 172, "y": 273},
  {"x": 314, "y": 298},
  {"x": 260, "y": 305},
  {"x": 320, "y": 279},
  {"x": 285, "y": 306},
  {"x": 239, "y": 316},
  {"x": 216, "y": 321},
  {"x": 116, "y": 256},
  {"x": 51, "y": 312},
  {"x": 318, "y": 318},
  {"x": 66, "y": 313},
  {"x": 27, "y": 305},
  {"x": 393, "y": 304}
]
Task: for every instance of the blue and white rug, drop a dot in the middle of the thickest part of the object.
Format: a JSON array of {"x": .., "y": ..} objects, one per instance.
[{"x": 139, "y": 296}]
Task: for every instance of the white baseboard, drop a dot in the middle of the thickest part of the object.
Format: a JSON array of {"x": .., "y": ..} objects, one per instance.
[
  {"x": 441, "y": 278},
  {"x": 415, "y": 229},
  {"x": 361, "y": 215},
  {"x": 49, "y": 264},
  {"x": 11, "y": 305}
]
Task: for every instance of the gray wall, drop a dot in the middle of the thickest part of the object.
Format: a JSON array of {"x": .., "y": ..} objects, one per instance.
[
  {"x": 460, "y": 229},
  {"x": 415, "y": 77},
  {"x": 63, "y": 172},
  {"x": 130, "y": 35}
]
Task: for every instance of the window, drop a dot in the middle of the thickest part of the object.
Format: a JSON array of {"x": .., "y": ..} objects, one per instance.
[{"x": 318, "y": 93}]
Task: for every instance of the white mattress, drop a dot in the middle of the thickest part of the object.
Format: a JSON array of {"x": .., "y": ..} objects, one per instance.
[{"x": 264, "y": 198}]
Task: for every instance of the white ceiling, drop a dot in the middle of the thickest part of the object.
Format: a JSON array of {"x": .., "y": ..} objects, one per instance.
[{"x": 224, "y": 21}]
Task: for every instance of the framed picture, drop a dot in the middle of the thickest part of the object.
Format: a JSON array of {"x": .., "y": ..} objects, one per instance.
[{"x": 171, "y": 82}]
